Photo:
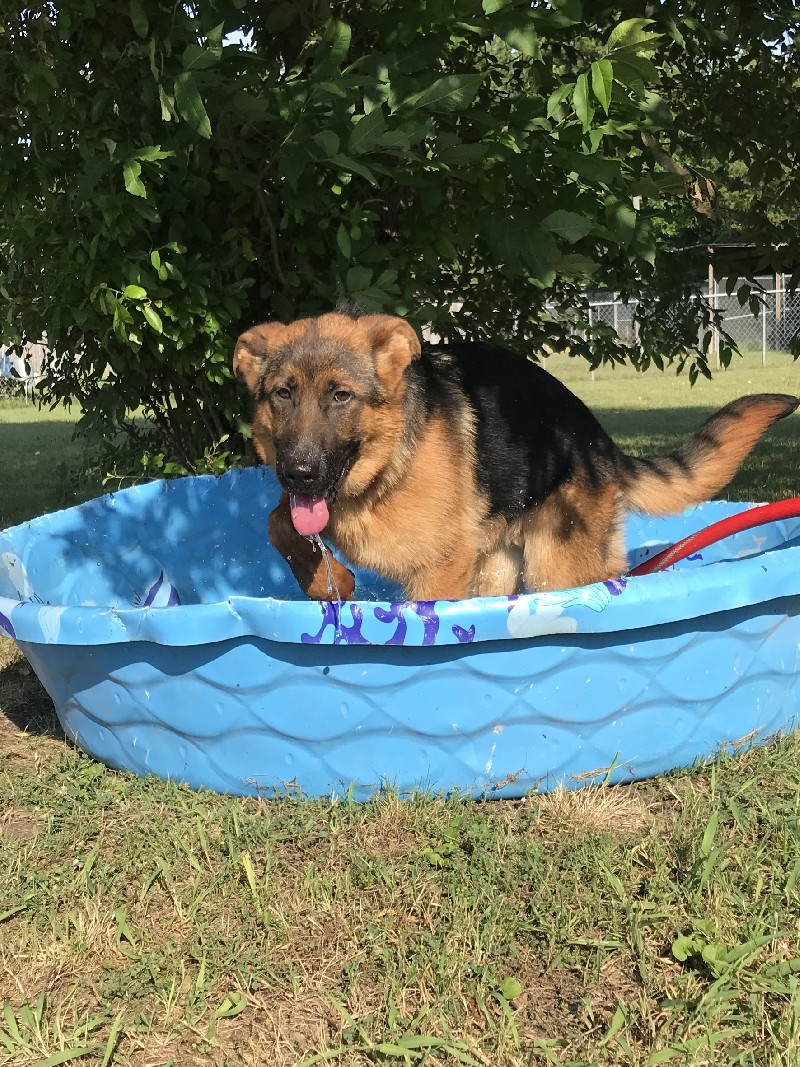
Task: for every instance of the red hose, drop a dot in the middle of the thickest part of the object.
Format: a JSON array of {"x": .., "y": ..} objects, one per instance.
[{"x": 743, "y": 520}]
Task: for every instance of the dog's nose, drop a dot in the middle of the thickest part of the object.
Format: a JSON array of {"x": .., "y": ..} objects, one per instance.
[{"x": 298, "y": 475}]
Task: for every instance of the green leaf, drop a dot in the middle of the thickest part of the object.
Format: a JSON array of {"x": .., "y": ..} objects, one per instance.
[
  {"x": 152, "y": 152},
  {"x": 602, "y": 72},
  {"x": 153, "y": 318},
  {"x": 596, "y": 138},
  {"x": 365, "y": 134},
  {"x": 134, "y": 292},
  {"x": 631, "y": 34},
  {"x": 557, "y": 97},
  {"x": 621, "y": 221},
  {"x": 709, "y": 833},
  {"x": 66, "y": 1056},
  {"x": 490, "y": 6},
  {"x": 510, "y": 988},
  {"x": 517, "y": 29},
  {"x": 567, "y": 224},
  {"x": 713, "y": 955},
  {"x": 11, "y": 1022},
  {"x": 199, "y": 57},
  {"x": 167, "y": 105},
  {"x": 138, "y": 18},
  {"x": 233, "y": 1004},
  {"x": 292, "y": 162},
  {"x": 328, "y": 143},
  {"x": 617, "y": 1023},
  {"x": 570, "y": 9},
  {"x": 520, "y": 244},
  {"x": 635, "y": 71},
  {"x": 663, "y": 1056},
  {"x": 346, "y": 163},
  {"x": 190, "y": 105},
  {"x": 654, "y": 185},
  {"x": 683, "y": 947},
  {"x": 11, "y": 911},
  {"x": 580, "y": 101},
  {"x": 280, "y": 16},
  {"x": 395, "y": 141},
  {"x": 455, "y": 92},
  {"x": 574, "y": 265},
  {"x": 459, "y": 155},
  {"x": 131, "y": 170},
  {"x": 343, "y": 240},
  {"x": 215, "y": 36},
  {"x": 358, "y": 278},
  {"x": 657, "y": 109},
  {"x": 111, "y": 1042},
  {"x": 558, "y": 14},
  {"x": 334, "y": 46}
]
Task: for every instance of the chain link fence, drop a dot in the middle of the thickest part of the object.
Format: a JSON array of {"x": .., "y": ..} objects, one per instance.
[
  {"x": 770, "y": 330},
  {"x": 776, "y": 324},
  {"x": 609, "y": 309}
]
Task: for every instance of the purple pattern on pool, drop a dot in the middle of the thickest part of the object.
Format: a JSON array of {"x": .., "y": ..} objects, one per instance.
[{"x": 394, "y": 612}]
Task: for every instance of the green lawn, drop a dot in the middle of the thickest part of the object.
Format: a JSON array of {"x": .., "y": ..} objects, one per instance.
[
  {"x": 142, "y": 924},
  {"x": 650, "y": 414},
  {"x": 40, "y": 461}
]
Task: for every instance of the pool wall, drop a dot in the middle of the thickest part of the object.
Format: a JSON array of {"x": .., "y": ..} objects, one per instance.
[{"x": 173, "y": 640}]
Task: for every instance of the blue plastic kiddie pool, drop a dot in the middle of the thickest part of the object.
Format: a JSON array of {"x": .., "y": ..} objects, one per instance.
[{"x": 173, "y": 640}]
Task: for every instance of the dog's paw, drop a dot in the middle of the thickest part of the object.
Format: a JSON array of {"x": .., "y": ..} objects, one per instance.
[{"x": 337, "y": 584}]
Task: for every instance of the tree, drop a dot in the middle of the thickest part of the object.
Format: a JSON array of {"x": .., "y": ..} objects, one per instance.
[
  {"x": 171, "y": 174},
  {"x": 731, "y": 90}
]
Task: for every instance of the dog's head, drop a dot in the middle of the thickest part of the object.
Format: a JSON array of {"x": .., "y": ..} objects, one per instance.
[{"x": 329, "y": 396}]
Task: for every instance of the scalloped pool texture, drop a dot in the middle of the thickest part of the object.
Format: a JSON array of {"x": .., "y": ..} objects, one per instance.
[{"x": 173, "y": 639}]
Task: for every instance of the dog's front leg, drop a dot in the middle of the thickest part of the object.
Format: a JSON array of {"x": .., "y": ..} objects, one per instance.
[{"x": 306, "y": 559}]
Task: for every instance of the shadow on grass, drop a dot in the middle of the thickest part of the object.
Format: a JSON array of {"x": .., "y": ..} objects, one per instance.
[
  {"x": 678, "y": 423},
  {"x": 25, "y": 706},
  {"x": 768, "y": 472}
]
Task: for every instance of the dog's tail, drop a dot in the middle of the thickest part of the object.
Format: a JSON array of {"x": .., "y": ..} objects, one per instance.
[{"x": 707, "y": 461}]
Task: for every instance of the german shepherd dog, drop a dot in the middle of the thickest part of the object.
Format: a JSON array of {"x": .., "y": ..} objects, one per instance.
[{"x": 460, "y": 469}]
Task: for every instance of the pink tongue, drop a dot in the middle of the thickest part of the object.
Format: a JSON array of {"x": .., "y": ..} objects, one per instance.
[{"x": 309, "y": 514}]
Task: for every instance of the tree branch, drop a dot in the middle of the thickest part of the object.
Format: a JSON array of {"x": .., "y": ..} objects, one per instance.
[
  {"x": 273, "y": 239},
  {"x": 701, "y": 193}
]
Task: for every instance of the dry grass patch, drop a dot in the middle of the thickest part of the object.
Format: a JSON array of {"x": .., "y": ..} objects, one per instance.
[
  {"x": 211, "y": 930},
  {"x": 594, "y": 809},
  {"x": 70, "y": 955}
]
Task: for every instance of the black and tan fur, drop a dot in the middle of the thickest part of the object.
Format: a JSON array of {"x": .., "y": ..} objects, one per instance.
[{"x": 459, "y": 470}]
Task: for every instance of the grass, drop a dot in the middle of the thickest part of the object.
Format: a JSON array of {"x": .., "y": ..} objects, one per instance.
[
  {"x": 143, "y": 924},
  {"x": 649, "y": 414},
  {"x": 40, "y": 461}
]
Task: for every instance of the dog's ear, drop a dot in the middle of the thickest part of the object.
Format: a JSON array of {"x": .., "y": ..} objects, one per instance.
[
  {"x": 251, "y": 351},
  {"x": 394, "y": 346},
  {"x": 248, "y": 358}
]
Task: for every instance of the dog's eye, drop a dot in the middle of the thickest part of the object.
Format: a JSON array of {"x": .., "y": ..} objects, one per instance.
[
  {"x": 342, "y": 396},
  {"x": 283, "y": 392}
]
